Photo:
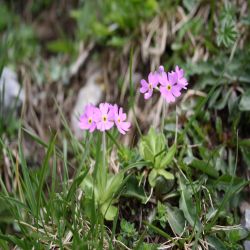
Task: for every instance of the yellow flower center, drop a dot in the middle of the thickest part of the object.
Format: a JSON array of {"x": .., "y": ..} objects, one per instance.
[
  {"x": 104, "y": 118},
  {"x": 119, "y": 120},
  {"x": 169, "y": 87},
  {"x": 89, "y": 120},
  {"x": 150, "y": 85}
]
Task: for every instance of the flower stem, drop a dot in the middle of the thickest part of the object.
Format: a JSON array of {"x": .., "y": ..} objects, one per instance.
[
  {"x": 104, "y": 170},
  {"x": 176, "y": 125},
  {"x": 163, "y": 116}
]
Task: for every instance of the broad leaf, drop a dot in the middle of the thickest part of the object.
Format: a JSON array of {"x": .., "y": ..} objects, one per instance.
[
  {"x": 152, "y": 148},
  {"x": 169, "y": 157},
  {"x": 245, "y": 101},
  {"x": 187, "y": 206},
  {"x": 215, "y": 243},
  {"x": 133, "y": 189},
  {"x": 109, "y": 211},
  {"x": 167, "y": 175},
  {"x": 113, "y": 185},
  {"x": 152, "y": 177},
  {"x": 205, "y": 167},
  {"x": 151, "y": 145},
  {"x": 175, "y": 219}
]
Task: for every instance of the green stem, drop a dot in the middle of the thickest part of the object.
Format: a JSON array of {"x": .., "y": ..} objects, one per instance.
[
  {"x": 136, "y": 122},
  {"x": 104, "y": 170},
  {"x": 176, "y": 125},
  {"x": 102, "y": 230},
  {"x": 163, "y": 115}
]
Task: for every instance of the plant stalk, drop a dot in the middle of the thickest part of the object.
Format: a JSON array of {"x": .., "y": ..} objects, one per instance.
[
  {"x": 104, "y": 170},
  {"x": 163, "y": 115}
]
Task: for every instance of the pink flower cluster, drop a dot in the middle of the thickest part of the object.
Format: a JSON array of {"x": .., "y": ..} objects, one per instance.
[
  {"x": 104, "y": 118},
  {"x": 169, "y": 84}
]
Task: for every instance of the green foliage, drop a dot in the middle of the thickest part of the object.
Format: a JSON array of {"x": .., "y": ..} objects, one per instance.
[
  {"x": 152, "y": 148},
  {"x": 117, "y": 19},
  {"x": 103, "y": 198},
  {"x": 227, "y": 32},
  {"x": 188, "y": 193},
  {"x": 161, "y": 215},
  {"x": 175, "y": 219},
  {"x": 244, "y": 104},
  {"x": 17, "y": 44},
  {"x": 60, "y": 46},
  {"x": 128, "y": 234},
  {"x": 6, "y": 17},
  {"x": 187, "y": 206}
]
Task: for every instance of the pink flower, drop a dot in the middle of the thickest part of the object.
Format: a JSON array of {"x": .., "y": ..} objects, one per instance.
[
  {"x": 169, "y": 88},
  {"x": 181, "y": 80},
  {"x": 119, "y": 119},
  {"x": 87, "y": 120},
  {"x": 147, "y": 87},
  {"x": 104, "y": 117},
  {"x": 161, "y": 69}
]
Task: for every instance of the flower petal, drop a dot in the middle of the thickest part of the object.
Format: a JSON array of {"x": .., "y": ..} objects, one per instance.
[
  {"x": 144, "y": 83},
  {"x": 108, "y": 125},
  {"x": 104, "y": 107},
  {"x": 83, "y": 124},
  {"x": 148, "y": 94},
  {"x": 176, "y": 90},
  {"x": 92, "y": 128},
  {"x": 172, "y": 77},
  {"x": 163, "y": 78}
]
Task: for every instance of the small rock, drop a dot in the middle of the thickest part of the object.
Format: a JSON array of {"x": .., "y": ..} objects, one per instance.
[
  {"x": 247, "y": 219},
  {"x": 244, "y": 206},
  {"x": 247, "y": 245},
  {"x": 11, "y": 92},
  {"x": 90, "y": 93}
]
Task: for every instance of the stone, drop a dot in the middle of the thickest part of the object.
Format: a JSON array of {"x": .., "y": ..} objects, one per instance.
[
  {"x": 90, "y": 93},
  {"x": 247, "y": 245},
  {"x": 11, "y": 93},
  {"x": 247, "y": 219}
]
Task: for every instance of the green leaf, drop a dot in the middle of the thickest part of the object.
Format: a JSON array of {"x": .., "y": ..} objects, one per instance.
[
  {"x": 246, "y": 155},
  {"x": 75, "y": 184},
  {"x": 100, "y": 29},
  {"x": 245, "y": 101},
  {"x": 224, "y": 181},
  {"x": 60, "y": 46},
  {"x": 205, "y": 167},
  {"x": 244, "y": 143},
  {"x": 187, "y": 206},
  {"x": 158, "y": 231},
  {"x": 132, "y": 189},
  {"x": 152, "y": 148},
  {"x": 117, "y": 41},
  {"x": 44, "y": 170},
  {"x": 13, "y": 239},
  {"x": 109, "y": 211},
  {"x": 151, "y": 145},
  {"x": 113, "y": 185},
  {"x": 215, "y": 243},
  {"x": 88, "y": 187},
  {"x": 167, "y": 175},
  {"x": 152, "y": 177},
  {"x": 128, "y": 228},
  {"x": 175, "y": 219},
  {"x": 146, "y": 152},
  {"x": 221, "y": 103},
  {"x": 227, "y": 34},
  {"x": 237, "y": 234},
  {"x": 6, "y": 16},
  {"x": 169, "y": 157}
]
